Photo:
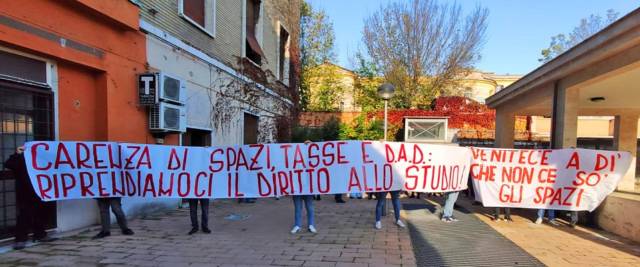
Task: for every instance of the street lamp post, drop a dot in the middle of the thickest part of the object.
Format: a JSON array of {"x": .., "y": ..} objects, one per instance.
[{"x": 385, "y": 91}]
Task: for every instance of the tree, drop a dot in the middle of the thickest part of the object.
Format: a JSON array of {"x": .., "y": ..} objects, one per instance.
[
  {"x": 316, "y": 46},
  {"x": 587, "y": 27},
  {"x": 366, "y": 84},
  {"x": 423, "y": 47},
  {"x": 325, "y": 87}
]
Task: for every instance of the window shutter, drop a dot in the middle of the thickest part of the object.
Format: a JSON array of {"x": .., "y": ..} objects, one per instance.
[
  {"x": 194, "y": 9},
  {"x": 253, "y": 15}
]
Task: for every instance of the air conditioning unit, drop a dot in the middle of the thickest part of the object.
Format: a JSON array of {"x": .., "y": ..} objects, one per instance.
[
  {"x": 166, "y": 117},
  {"x": 171, "y": 89}
]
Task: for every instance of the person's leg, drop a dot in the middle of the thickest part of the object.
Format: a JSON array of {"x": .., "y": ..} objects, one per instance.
[
  {"x": 449, "y": 202},
  {"x": 193, "y": 212},
  {"x": 297, "y": 209},
  {"x": 38, "y": 220},
  {"x": 541, "y": 213},
  {"x": 308, "y": 204},
  {"x": 23, "y": 223},
  {"x": 551, "y": 214},
  {"x": 507, "y": 214},
  {"x": 395, "y": 200},
  {"x": 574, "y": 218},
  {"x": 496, "y": 214},
  {"x": 116, "y": 207},
  {"x": 540, "y": 216},
  {"x": 105, "y": 217},
  {"x": 380, "y": 198},
  {"x": 204, "y": 205}
]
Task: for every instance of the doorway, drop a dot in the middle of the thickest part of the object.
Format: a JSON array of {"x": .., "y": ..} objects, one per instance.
[{"x": 26, "y": 114}]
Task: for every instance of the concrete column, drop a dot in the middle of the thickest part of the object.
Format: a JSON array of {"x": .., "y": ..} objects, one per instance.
[
  {"x": 505, "y": 127},
  {"x": 625, "y": 138},
  {"x": 564, "y": 121}
]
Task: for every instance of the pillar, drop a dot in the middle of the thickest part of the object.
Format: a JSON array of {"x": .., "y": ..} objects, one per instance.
[
  {"x": 505, "y": 127},
  {"x": 625, "y": 138},
  {"x": 564, "y": 120}
]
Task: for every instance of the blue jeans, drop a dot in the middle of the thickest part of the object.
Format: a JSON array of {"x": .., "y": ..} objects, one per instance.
[
  {"x": 297, "y": 205},
  {"x": 395, "y": 199},
  {"x": 449, "y": 202},
  {"x": 550, "y": 213}
]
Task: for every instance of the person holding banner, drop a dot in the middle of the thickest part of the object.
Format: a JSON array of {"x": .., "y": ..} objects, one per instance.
[
  {"x": 574, "y": 219},
  {"x": 550, "y": 213},
  {"x": 193, "y": 212},
  {"x": 395, "y": 199},
  {"x": 115, "y": 203},
  {"x": 297, "y": 205},
  {"x": 507, "y": 215},
  {"x": 450, "y": 201},
  {"x": 30, "y": 207}
]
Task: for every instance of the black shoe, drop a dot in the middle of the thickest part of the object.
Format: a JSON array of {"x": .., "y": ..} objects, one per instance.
[
  {"x": 193, "y": 231},
  {"x": 206, "y": 230},
  {"x": 102, "y": 234},
  {"x": 127, "y": 232},
  {"x": 45, "y": 239},
  {"x": 340, "y": 201}
]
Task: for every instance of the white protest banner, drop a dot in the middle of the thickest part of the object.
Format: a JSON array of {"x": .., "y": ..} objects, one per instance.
[
  {"x": 563, "y": 179},
  {"x": 72, "y": 170}
]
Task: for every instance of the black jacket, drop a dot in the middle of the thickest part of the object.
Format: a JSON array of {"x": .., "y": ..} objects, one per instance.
[{"x": 24, "y": 189}]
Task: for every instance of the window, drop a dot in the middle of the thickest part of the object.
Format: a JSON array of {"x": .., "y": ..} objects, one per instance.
[
  {"x": 195, "y": 137},
  {"x": 250, "y": 129},
  {"x": 252, "y": 47},
  {"x": 425, "y": 130},
  {"x": 283, "y": 56},
  {"x": 468, "y": 93},
  {"x": 200, "y": 13}
]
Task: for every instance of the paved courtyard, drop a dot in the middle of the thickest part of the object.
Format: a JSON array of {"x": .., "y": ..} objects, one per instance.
[{"x": 258, "y": 235}]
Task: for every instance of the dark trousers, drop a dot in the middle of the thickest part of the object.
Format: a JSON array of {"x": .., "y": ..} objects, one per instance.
[
  {"x": 105, "y": 218},
  {"x": 507, "y": 213},
  {"x": 395, "y": 200},
  {"x": 337, "y": 197},
  {"x": 193, "y": 211},
  {"x": 30, "y": 216}
]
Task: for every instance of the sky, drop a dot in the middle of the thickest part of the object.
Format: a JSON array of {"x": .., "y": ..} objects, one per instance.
[{"x": 517, "y": 30}]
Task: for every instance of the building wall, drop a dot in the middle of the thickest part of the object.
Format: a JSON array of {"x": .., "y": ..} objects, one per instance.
[
  {"x": 619, "y": 214},
  {"x": 478, "y": 90},
  {"x": 95, "y": 51},
  {"x": 213, "y": 99},
  {"x": 228, "y": 43},
  {"x": 588, "y": 126},
  {"x": 329, "y": 74}
]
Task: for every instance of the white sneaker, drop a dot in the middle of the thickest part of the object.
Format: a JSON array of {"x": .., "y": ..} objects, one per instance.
[
  {"x": 295, "y": 229},
  {"x": 400, "y": 224},
  {"x": 539, "y": 220},
  {"x": 378, "y": 225},
  {"x": 312, "y": 229},
  {"x": 554, "y": 222}
]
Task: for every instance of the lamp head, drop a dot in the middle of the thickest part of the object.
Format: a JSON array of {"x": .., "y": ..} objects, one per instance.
[{"x": 386, "y": 91}]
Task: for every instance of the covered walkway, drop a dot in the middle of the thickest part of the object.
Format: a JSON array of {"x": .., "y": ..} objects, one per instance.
[{"x": 598, "y": 77}]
